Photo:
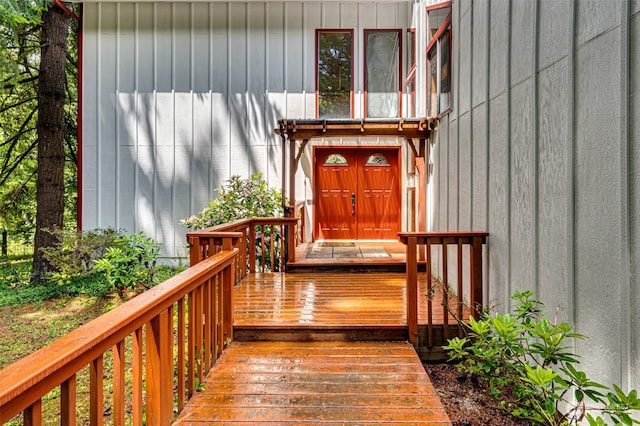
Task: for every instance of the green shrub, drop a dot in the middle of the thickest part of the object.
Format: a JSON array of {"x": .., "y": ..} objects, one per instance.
[
  {"x": 239, "y": 199},
  {"x": 131, "y": 263},
  {"x": 77, "y": 251},
  {"x": 242, "y": 199},
  {"x": 527, "y": 357}
]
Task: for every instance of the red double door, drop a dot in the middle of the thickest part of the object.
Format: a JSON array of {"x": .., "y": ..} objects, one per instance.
[{"x": 356, "y": 193}]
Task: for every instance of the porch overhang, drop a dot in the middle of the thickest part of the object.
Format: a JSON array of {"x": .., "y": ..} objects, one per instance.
[
  {"x": 306, "y": 129},
  {"x": 414, "y": 131}
]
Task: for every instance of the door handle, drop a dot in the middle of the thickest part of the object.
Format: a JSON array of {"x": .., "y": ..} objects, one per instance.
[{"x": 353, "y": 204}]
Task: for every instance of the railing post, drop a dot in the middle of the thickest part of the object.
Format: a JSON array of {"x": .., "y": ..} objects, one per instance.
[
  {"x": 228, "y": 281},
  {"x": 292, "y": 236},
  {"x": 252, "y": 248},
  {"x": 412, "y": 290},
  {"x": 194, "y": 250},
  {"x": 476, "y": 276}
]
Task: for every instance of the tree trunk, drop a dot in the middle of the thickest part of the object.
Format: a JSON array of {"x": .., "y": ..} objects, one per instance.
[
  {"x": 51, "y": 96},
  {"x": 5, "y": 244}
]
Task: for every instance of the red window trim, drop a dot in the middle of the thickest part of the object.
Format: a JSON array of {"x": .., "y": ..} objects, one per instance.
[
  {"x": 445, "y": 26},
  {"x": 439, "y": 6},
  {"x": 336, "y": 30},
  {"x": 375, "y": 30}
]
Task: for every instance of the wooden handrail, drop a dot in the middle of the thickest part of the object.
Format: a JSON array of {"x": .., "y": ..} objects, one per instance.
[
  {"x": 185, "y": 323},
  {"x": 254, "y": 250},
  {"x": 414, "y": 240}
]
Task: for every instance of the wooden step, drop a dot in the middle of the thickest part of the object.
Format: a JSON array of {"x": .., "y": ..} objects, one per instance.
[{"x": 316, "y": 383}]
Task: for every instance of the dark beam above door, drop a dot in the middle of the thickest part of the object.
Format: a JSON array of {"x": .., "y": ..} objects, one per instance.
[{"x": 305, "y": 129}]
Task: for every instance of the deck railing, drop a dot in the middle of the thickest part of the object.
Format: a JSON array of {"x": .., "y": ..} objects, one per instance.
[
  {"x": 162, "y": 343},
  {"x": 266, "y": 244},
  {"x": 457, "y": 275}
]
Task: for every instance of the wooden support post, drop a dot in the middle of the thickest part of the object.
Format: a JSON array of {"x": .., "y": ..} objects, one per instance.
[
  {"x": 228, "y": 280},
  {"x": 476, "y": 277},
  {"x": 412, "y": 290},
  {"x": 252, "y": 249},
  {"x": 194, "y": 250}
]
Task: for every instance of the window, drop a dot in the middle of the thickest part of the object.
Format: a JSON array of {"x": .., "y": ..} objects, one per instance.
[
  {"x": 377, "y": 160},
  {"x": 439, "y": 59},
  {"x": 411, "y": 75},
  {"x": 335, "y": 69},
  {"x": 336, "y": 159},
  {"x": 383, "y": 86}
]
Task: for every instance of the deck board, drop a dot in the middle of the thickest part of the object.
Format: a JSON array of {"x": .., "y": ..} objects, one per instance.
[{"x": 316, "y": 383}]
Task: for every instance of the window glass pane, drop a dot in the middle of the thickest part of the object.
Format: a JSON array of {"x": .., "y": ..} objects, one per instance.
[
  {"x": 383, "y": 74},
  {"x": 411, "y": 87},
  {"x": 411, "y": 48},
  {"x": 435, "y": 19},
  {"x": 445, "y": 72},
  {"x": 377, "y": 160},
  {"x": 334, "y": 74},
  {"x": 336, "y": 159},
  {"x": 432, "y": 84}
]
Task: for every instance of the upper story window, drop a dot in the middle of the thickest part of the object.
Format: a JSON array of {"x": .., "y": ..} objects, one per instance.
[
  {"x": 334, "y": 58},
  {"x": 383, "y": 84},
  {"x": 439, "y": 59},
  {"x": 411, "y": 75}
]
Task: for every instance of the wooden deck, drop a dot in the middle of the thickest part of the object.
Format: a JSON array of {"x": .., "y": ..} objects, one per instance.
[
  {"x": 327, "y": 306},
  {"x": 316, "y": 383},
  {"x": 320, "y": 348}
]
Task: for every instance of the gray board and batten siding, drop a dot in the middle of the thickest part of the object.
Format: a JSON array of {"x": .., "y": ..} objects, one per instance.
[
  {"x": 542, "y": 150},
  {"x": 178, "y": 97}
]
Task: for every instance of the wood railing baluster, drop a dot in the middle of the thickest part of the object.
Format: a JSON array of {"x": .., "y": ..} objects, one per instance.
[
  {"x": 32, "y": 415},
  {"x": 207, "y": 324},
  {"x": 181, "y": 327},
  {"x": 118, "y": 384},
  {"x": 429, "y": 295},
  {"x": 137, "y": 383},
  {"x": 68, "y": 401},
  {"x": 96, "y": 391}
]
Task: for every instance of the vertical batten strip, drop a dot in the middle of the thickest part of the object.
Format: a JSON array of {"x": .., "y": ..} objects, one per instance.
[
  {"x": 626, "y": 347},
  {"x": 535, "y": 138},
  {"x": 571, "y": 167},
  {"x": 507, "y": 89},
  {"x": 487, "y": 133}
]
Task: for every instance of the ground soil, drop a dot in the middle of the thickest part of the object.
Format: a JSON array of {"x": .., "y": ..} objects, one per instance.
[{"x": 465, "y": 400}]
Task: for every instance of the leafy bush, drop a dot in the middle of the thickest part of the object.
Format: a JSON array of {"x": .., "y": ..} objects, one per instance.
[
  {"x": 125, "y": 261},
  {"x": 131, "y": 263},
  {"x": 77, "y": 251},
  {"x": 526, "y": 356},
  {"x": 239, "y": 199}
]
